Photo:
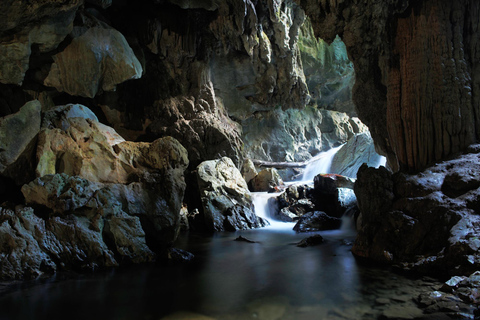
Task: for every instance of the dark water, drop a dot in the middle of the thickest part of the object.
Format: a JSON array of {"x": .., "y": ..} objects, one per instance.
[{"x": 271, "y": 279}]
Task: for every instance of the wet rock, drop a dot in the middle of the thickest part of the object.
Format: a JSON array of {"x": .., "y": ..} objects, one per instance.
[
  {"x": 401, "y": 312},
  {"x": 226, "y": 200},
  {"x": 100, "y": 55},
  {"x": 311, "y": 241},
  {"x": 433, "y": 224},
  {"x": 179, "y": 255},
  {"x": 285, "y": 215},
  {"x": 18, "y": 136},
  {"x": 333, "y": 194},
  {"x": 266, "y": 180},
  {"x": 358, "y": 150},
  {"x": 243, "y": 239},
  {"x": 317, "y": 221}
]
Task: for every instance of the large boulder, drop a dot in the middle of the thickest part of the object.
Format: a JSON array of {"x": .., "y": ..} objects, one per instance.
[
  {"x": 426, "y": 221},
  {"x": 334, "y": 194},
  {"x": 98, "y": 58},
  {"x": 18, "y": 136},
  {"x": 358, "y": 150},
  {"x": 266, "y": 180},
  {"x": 36, "y": 26},
  {"x": 226, "y": 200}
]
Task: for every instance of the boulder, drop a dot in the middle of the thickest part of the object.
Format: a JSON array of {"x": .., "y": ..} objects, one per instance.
[
  {"x": 285, "y": 215},
  {"x": 42, "y": 26},
  {"x": 18, "y": 136},
  {"x": 248, "y": 170},
  {"x": 423, "y": 221},
  {"x": 358, "y": 150},
  {"x": 317, "y": 221},
  {"x": 98, "y": 58},
  {"x": 226, "y": 200},
  {"x": 333, "y": 194},
  {"x": 266, "y": 180}
]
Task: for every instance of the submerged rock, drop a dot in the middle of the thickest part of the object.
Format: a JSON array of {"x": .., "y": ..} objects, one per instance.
[
  {"x": 311, "y": 241},
  {"x": 226, "y": 200}
]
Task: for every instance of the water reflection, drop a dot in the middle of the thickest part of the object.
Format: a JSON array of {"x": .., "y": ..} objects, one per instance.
[{"x": 271, "y": 279}]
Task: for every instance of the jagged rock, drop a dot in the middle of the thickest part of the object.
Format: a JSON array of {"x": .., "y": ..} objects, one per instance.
[
  {"x": 73, "y": 142},
  {"x": 295, "y": 135},
  {"x": 43, "y": 25},
  {"x": 248, "y": 170},
  {"x": 226, "y": 201},
  {"x": 18, "y": 136},
  {"x": 333, "y": 194},
  {"x": 266, "y": 180},
  {"x": 20, "y": 253},
  {"x": 96, "y": 59},
  {"x": 285, "y": 215},
  {"x": 311, "y": 241},
  {"x": 358, "y": 150},
  {"x": 434, "y": 225},
  {"x": 317, "y": 221},
  {"x": 200, "y": 124}
]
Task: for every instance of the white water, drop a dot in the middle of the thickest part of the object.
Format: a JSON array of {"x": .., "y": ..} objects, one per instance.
[
  {"x": 264, "y": 203},
  {"x": 319, "y": 164}
]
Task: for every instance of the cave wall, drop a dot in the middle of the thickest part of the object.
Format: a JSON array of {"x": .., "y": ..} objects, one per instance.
[{"x": 416, "y": 66}]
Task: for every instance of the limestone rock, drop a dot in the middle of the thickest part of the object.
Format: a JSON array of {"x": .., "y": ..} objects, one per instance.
[
  {"x": 358, "y": 150},
  {"x": 18, "y": 135},
  {"x": 200, "y": 124},
  {"x": 418, "y": 222},
  {"x": 390, "y": 70},
  {"x": 248, "y": 170},
  {"x": 226, "y": 201},
  {"x": 44, "y": 25},
  {"x": 328, "y": 71},
  {"x": 98, "y": 59},
  {"x": 317, "y": 221},
  {"x": 20, "y": 253},
  {"x": 266, "y": 180}
]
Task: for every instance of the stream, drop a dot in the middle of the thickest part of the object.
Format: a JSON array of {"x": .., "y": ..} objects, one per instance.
[{"x": 266, "y": 280}]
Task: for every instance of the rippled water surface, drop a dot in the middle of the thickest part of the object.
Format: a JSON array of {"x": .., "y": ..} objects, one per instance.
[{"x": 270, "y": 279}]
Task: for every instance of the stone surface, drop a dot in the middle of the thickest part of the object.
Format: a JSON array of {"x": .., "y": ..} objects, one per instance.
[
  {"x": 295, "y": 135},
  {"x": 311, "y": 241},
  {"x": 226, "y": 201},
  {"x": 97, "y": 59},
  {"x": 248, "y": 171},
  {"x": 42, "y": 26},
  {"x": 317, "y": 221},
  {"x": 18, "y": 136},
  {"x": 358, "y": 150},
  {"x": 328, "y": 71},
  {"x": 419, "y": 108},
  {"x": 418, "y": 222},
  {"x": 266, "y": 180}
]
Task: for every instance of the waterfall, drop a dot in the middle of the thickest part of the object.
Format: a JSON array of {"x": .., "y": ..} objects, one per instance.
[
  {"x": 265, "y": 206},
  {"x": 320, "y": 164}
]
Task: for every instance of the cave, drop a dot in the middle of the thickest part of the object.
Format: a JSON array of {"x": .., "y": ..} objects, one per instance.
[{"x": 239, "y": 159}]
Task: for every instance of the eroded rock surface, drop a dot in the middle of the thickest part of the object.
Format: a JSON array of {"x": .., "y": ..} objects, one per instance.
[
  {"x": 226, "y": 200},
  {"x": 426, "y": 222}
]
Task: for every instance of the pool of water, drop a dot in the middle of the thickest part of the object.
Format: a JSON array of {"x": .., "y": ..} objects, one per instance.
[{"x": 270, "y": 279}]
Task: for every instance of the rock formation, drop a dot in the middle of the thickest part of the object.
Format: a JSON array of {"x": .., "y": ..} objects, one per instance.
[
  {"x": 226, "y": 201},
  {"x": 416, "y": 85}
]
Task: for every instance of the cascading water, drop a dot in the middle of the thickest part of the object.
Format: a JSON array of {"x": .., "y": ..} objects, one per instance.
[
  {"x": 319, "y": 164},
  {"x": 265, "y": 205}
]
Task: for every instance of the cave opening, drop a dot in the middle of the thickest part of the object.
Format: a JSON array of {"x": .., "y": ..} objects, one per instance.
[{"x": 204, "y": 159}]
